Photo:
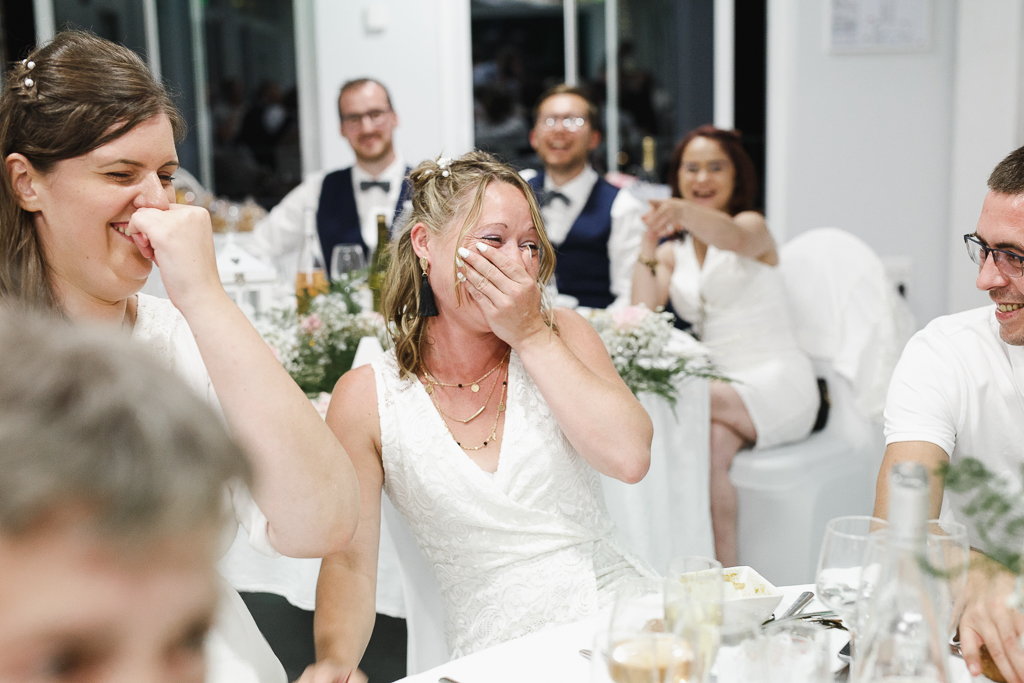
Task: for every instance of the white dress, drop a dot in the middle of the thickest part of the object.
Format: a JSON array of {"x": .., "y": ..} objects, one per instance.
[
  {"x": 528, "y": 547},
  {"x": 236, "y": 650},
  {"x": 738, "y": 309}
]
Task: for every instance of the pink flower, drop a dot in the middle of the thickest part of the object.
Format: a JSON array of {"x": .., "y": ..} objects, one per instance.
[
  {"x": 273, "y": 350},
  {"x": 629, "y": 317},
  {"x": 311, "y": 323}
]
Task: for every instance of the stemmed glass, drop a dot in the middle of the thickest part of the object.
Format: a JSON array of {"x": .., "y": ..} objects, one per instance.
[
  {"x": 693, "y": 607},
  {"x": 346, "y": 258},
  {"x": 841, "y": 562},
  {"x": 636, "y": 647}
]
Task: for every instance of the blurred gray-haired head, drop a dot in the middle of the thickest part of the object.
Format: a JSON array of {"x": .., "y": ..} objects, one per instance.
[{"x": 88, "y": 418}]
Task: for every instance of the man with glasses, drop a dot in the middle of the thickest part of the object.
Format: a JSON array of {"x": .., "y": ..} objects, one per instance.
[
  {"x": 347, "y": 201},
  {"x": 958, "y": 391},
  {"x": 596, "y": 228}
]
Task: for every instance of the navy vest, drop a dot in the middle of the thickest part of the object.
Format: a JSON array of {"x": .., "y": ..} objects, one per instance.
[
  {"x": 582, "y": 268},
  {"x": 337, "y": 219}
]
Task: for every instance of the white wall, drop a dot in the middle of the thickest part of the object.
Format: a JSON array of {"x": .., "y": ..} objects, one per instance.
[
  {"x": 862, "y": 142},
  {"x": 986, "y": 124},
  {"x": 423, "y": 56}
]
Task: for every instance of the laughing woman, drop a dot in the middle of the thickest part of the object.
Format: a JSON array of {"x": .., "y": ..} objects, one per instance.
[
  {"x": 86, "y": 209},
  {"x": 718, "y": 268},
  {"x": 493, "y": 417}
]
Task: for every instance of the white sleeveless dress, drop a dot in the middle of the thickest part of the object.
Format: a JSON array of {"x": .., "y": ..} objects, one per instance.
[
  {"x": 738, "y": 309},
  {"x": 236, "y": 651},
  {"x": 528, "y": 547}
]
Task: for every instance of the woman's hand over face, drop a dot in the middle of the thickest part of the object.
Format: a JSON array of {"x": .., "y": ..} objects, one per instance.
[
  {"x": 180, "y": 242},
  {"x": 506, "y": 291},
  {"x": 665, "y": 218}
]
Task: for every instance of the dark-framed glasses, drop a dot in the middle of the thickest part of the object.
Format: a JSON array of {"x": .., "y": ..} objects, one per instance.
[
  {"x": 567, "y": 122},
  {"x": 375, "y": 116},
  {"x": 1008, "y": 263}
]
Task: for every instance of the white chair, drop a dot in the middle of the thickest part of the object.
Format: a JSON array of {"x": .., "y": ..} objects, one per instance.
[{"x": 852, "y": 323}]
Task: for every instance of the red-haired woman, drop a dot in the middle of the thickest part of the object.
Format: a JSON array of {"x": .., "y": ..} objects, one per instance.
[{"x": 720, "y": 275}]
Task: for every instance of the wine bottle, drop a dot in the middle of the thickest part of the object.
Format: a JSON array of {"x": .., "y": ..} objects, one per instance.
[
  {"x": 311, "y": 277},
  {"x": 904, "y": 626},
  {"x": 649, "y": 167},
  {"x": 380, "y": 261}
]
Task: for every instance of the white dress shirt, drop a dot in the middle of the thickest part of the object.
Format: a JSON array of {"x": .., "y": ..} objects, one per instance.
[
  {"x": 627, "y": 228},
  {"x": 278, "y": 237},
  {"x": 959, "y": 386}
]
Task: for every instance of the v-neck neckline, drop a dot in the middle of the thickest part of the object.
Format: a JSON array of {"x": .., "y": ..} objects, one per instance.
[{"x": 449, "y": 438}]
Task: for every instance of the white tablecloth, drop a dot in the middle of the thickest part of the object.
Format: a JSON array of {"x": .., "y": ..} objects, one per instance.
[{"x": 552, "y": 656}]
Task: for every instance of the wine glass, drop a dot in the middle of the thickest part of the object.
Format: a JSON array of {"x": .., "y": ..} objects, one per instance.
[
  {"x": 346, "y": 258},
  {"x": 693, "y": 606},
  {"x": 636, "y": 647},
  {"x": 840, "y": 564},
  {"x": 949, "y": 553}
]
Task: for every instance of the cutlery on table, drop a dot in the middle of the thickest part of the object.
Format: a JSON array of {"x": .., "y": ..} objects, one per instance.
[
  {"x": 798, "y": 605},
  {"x": 585, "y": 653}
]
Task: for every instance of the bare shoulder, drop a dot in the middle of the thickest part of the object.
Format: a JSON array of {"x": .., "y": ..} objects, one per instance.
[
  {"x": 754, "y": 224},
  {"x": 353, "y": 415},
  {"x": 578, "y": 334}
]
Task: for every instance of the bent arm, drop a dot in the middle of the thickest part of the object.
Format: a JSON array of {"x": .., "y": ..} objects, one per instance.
[
  {"x": 924, "y": 452},
  {"x": 746, "y": 233},
  {"x": 346, "y": 590},
  {"x": 651, "y": 288},
  {"x": 593, "y": 406}
]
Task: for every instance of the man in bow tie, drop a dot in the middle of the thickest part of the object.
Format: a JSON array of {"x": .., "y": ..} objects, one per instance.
[
  {"x": 347, "y": 201},
  {"x": 595, "y": 227}
]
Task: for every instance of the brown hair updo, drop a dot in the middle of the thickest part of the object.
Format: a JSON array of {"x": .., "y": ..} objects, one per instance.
[
  {"x": 744, "y": 188},
  {"x": 440, "y": 194},
  {"x": 76, "y": 93}
]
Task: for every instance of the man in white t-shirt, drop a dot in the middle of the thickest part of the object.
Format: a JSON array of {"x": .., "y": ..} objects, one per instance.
[
  {"x": 594, "y": 226},
  {"x": 346, "y": 202},
  {"x": 958, "y": 391}
]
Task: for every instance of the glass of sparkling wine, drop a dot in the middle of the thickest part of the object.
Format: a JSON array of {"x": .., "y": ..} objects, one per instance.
[
  {"x": 840, "y": 564},
  {"x": 636, "y": 648},
  {"x": 693, "y": 607}
]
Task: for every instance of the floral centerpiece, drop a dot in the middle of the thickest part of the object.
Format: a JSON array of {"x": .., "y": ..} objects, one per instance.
[
  {"x": 318, "y": 346},
  {"x": 647, "y": 351}
]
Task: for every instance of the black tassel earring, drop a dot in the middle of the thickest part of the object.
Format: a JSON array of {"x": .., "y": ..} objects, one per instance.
[{"x": 428, "y": 307}]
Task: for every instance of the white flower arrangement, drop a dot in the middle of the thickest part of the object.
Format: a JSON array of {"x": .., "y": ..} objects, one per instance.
[
  {"x": 318, "y": 347},
  {"x": 648, "y": 352}
]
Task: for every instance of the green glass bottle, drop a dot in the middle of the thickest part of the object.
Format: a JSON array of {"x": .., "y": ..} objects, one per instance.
[{"x": 380, "y": 261}]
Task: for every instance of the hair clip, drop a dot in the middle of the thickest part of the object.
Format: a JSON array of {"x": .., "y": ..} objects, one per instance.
[
  {"x": 444, "y": 163},
  {"x": 29, "y": 82},
  {"x": 30, "y": 65}
]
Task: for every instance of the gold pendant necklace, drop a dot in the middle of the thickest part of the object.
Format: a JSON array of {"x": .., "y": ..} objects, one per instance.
[
  {"x": 494, "y": 429},
  {"x": 437, "y": 404},
  {"x": 475, "y": 386}
]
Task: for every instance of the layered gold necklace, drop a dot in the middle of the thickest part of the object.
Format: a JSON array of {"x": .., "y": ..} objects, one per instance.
[{"x": 475, "y": 386}]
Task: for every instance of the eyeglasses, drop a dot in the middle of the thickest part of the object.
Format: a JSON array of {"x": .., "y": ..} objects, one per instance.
[
  {"x": 375, "y": 116},
  {"x": 572, "y": 123},
  {"x": 1008, "y": 263}
]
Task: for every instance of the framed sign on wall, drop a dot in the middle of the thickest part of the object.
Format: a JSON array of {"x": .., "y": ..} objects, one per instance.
[{"x": 873, "y": 26}]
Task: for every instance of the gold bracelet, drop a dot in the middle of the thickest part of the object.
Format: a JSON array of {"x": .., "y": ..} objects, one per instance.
[{"x": 651, "y": 263}]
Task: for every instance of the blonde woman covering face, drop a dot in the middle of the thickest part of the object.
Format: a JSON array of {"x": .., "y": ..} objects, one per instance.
[{"x": 491, "y": 423}]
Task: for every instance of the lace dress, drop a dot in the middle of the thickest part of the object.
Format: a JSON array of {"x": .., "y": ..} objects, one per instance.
[
  {"x": 528, "y": 547},
  {"x": 236, "y": 651},
  {"x": 738, "y": 307}
]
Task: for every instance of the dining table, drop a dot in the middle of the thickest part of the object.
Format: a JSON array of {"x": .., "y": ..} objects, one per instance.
[{"x": 553, "y": 655}]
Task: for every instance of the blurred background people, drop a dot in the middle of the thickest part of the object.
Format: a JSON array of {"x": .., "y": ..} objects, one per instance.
[
  {"x": 347, "y": 201},
  {"x": 112, "y": 478},
  {"x": 717, "y": 267},
  {"x": 594, "y": 226}
]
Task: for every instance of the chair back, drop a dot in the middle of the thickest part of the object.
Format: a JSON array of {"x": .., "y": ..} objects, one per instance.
[{"x": 846, "y": 312}]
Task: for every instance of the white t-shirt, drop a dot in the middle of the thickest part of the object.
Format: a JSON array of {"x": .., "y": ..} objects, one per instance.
[
  {"x": 959, "y": 386},
  {"x": 278, "y": 237},
  {"x": 627, "y": 228}
]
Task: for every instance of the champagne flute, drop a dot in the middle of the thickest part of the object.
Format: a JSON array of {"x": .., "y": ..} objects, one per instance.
[
  {"x": 693, "y": 606},
  {"x": 840, "y": 564},
  {"x": 346, "y": 258}
]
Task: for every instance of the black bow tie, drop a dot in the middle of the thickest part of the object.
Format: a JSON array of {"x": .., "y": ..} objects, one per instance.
[
  {"x": 552, "y": 196},
  {"x": 365, "y": 185}
]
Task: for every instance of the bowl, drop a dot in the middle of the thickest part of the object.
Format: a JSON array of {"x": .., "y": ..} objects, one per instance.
[{"x": 747, "y": 597}]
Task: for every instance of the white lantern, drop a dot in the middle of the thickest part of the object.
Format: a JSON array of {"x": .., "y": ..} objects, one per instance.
[{"x": 249, "y": 282}]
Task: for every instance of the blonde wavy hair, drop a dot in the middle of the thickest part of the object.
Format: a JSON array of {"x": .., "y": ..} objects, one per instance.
[{"x": 442, "y": 192}]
